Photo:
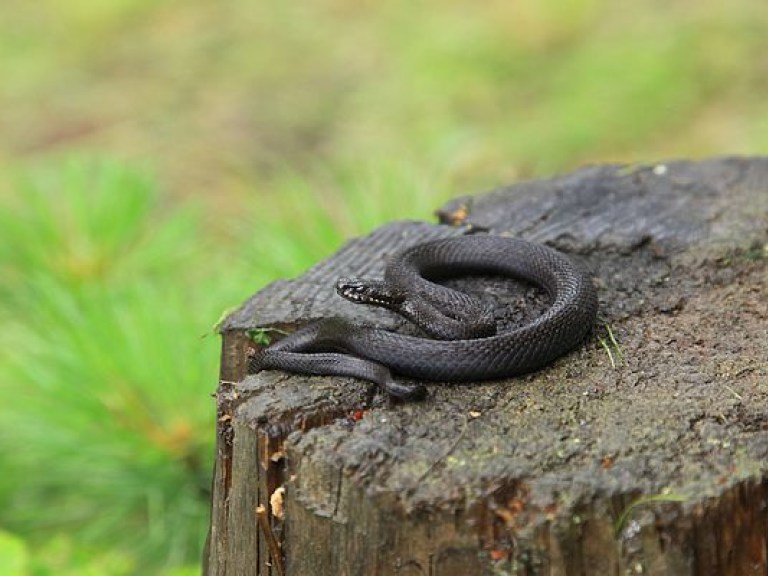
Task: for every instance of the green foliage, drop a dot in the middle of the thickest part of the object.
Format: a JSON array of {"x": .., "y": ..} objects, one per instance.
[
  {"x": 62, "y": 556},
  {"x": 14, "y": 556},
  {"x": 80, "y": 222},
  {"x": 105, "y": 410}
]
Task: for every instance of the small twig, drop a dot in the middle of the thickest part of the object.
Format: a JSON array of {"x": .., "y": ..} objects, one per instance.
[
  {"x": 274, "y": 548},
  {"x": 448, "y": 452},
  {"x": 750, "y": 368}
]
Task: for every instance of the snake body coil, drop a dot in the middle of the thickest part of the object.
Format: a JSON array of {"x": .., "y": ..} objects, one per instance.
[{"x": 463, "y": 345}]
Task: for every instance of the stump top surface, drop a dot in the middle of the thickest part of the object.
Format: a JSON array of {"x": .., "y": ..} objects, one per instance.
[{"x": 680, "y": 254}]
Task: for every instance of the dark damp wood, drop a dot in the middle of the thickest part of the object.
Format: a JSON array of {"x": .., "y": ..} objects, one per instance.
[{"x": 647, "y": 455}]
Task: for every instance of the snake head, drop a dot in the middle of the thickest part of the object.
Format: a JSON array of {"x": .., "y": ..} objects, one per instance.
[{"x": 368, "y": 291}]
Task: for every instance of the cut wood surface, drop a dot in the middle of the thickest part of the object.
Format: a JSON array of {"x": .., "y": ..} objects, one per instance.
[{"x": 645, "y": 451}]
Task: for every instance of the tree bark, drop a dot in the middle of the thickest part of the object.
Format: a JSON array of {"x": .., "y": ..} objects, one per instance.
[{"x": 642, "y": 452}]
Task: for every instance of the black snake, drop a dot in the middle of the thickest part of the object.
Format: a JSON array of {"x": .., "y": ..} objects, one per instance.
[{"x": 463, "y": 344}]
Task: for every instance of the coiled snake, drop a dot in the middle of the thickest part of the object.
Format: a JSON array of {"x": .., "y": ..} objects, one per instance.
[{"x": 463, "y": 344}]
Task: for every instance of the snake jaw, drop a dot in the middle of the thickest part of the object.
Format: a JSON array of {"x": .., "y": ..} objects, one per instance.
[{"x": 367, "y": 291}]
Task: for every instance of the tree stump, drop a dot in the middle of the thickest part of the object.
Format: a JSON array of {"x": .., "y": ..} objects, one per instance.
[{"x": 645, "y": 451}]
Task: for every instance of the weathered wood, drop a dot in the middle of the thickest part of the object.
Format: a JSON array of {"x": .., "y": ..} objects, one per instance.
[{"x": 651, "y": 459}]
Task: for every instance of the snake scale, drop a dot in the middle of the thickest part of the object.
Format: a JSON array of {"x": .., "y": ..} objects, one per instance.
[{"x": 461, "y": 342}]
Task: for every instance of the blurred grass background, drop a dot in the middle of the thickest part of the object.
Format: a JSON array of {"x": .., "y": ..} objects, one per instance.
[{"x": 163, "y": 160}]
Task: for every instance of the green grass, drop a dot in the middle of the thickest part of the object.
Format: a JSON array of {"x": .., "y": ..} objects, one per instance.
[
  {"x": 665, "y": 497},
  {"x": 611, "y": 347},
  {"x": 242, "y": 143}
]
